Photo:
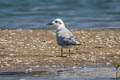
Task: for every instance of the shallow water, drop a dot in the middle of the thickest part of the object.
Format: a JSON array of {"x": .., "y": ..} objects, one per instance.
[
  {"x": 102, "y": 73},
  {"x": 76, "y": 13}
]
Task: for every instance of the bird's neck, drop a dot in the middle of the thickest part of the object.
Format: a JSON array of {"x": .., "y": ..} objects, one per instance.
[{"x": 61, "y": 26}]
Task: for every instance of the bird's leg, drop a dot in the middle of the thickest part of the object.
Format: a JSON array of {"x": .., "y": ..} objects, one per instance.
[
  {"x": 69, "y": 51},
  {"x": 61, "y": 51}
]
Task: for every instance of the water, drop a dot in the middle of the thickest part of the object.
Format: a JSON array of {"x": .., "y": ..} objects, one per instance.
[
  {"x": 77, "y": 14},
  {"x": 69, "y": 74}
]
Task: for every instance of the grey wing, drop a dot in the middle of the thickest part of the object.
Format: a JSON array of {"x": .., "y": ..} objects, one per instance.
[
  {"x": 66, "y": 38},
  {"x": 70, "y": 40}
]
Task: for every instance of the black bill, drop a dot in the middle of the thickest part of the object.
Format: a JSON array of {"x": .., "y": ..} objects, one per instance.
[{"x": 50, "y": 24}]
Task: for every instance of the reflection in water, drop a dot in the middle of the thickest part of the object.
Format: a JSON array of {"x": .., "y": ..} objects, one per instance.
[
  {"x": 79, "y": 74},
  {"x": 81, "y": 14}
]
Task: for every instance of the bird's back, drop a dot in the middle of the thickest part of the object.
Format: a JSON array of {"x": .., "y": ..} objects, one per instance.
[{"x": 65, "y": 37}]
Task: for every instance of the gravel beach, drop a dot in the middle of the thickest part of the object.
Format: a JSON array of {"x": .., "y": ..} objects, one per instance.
[{"x": 38, "y": 49}]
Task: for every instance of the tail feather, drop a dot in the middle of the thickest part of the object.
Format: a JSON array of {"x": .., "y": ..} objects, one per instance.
[{"x": 77, "y": 43}]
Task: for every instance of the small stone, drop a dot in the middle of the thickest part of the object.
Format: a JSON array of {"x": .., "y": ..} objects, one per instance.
[
  {"x": 28, "y": 70},
  {"x": 108, "y": 63},
  {"x": 19, "y": 61},
  {"x": 7, "y": 65}
]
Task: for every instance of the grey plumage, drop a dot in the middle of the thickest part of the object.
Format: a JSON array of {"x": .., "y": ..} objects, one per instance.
[{"x": 63, "y": 35}]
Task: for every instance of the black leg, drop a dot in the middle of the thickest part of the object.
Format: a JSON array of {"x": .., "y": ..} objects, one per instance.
[
  {"x": 69, "y": 51},
  {"x": 61, "y": 51}
]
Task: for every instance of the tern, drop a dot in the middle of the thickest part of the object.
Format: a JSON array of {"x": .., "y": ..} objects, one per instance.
[{"x": 63, "y": 36}]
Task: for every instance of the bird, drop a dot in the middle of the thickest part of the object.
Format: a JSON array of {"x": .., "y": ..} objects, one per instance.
[{"x": 63, "y": 36}]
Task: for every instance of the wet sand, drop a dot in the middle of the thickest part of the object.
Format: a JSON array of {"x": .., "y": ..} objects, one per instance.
[{"x": 38, "y": 49}]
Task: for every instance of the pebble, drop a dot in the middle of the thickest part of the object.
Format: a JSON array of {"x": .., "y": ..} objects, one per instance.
[{"x": 20, "y": 46}]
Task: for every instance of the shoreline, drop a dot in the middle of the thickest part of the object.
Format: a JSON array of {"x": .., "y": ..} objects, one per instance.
[
  {"x": 24, "y": 49},
  {"x": 96, "y": 28}
]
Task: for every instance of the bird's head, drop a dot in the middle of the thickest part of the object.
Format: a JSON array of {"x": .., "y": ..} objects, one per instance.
[{"x": 57, "y": 22}]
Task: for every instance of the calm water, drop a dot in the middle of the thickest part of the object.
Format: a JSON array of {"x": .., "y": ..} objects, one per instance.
[
  {"x": 79, "y": 74},
  {"x": 76, "y": 13}
]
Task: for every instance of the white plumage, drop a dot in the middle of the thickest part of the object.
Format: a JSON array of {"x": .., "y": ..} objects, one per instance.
[{"x": 63, "y": 35}]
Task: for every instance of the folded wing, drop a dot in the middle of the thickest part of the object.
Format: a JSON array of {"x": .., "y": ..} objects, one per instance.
[{"x": 65, "y": 37}]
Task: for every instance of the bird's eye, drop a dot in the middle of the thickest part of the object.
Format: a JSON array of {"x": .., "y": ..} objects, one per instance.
[{"x": 56, "y": 21}]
